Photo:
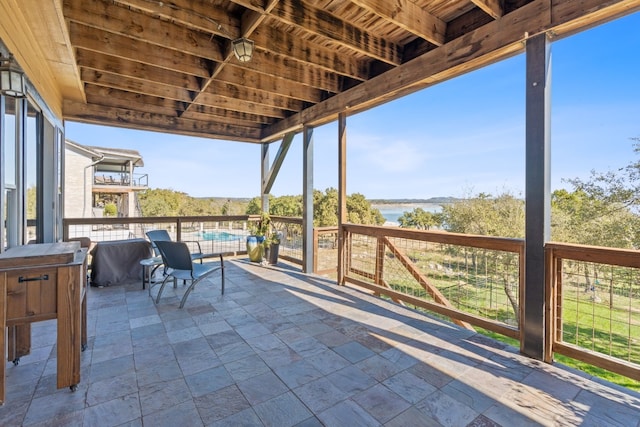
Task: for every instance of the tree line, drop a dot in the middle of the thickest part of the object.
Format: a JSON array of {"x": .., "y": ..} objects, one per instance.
[{"x": 163, "y": 202}]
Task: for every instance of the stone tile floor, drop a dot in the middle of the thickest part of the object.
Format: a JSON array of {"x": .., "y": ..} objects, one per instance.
[{"x": 284, "y": 349}]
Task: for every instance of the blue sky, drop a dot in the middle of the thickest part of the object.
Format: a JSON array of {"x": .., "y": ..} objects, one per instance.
[{"x": 461, "y": 137}]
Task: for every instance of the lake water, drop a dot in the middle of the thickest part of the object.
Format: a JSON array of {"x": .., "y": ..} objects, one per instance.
[{"x": 391, "y": 213}]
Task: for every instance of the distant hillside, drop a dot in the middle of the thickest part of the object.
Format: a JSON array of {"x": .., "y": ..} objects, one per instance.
[{"x": 433, "y": 200}]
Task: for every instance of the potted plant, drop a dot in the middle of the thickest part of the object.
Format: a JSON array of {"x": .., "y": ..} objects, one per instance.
[
  {"x": 272, "y": 247},
  {"x": 256, "y": 239}
]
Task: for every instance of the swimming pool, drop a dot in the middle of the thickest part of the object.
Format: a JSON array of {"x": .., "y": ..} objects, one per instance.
[{"x": 220, "y": 236}]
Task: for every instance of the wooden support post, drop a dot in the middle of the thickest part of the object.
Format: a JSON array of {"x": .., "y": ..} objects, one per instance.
[
  {"x": 538, "y": 199},
  {"x": 342, "y": 194},
  {"x": 307, "y": 200},
  {"x": 264, "y": 172}
]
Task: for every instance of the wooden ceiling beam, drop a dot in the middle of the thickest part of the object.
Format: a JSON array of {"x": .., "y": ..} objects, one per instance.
[
  {"x": 310, "y": 54},
  {"x": 409, "y": 16},
  {"x": 128, "y": 68},
  {"x": 254, "y": 5},
  {"x": 256, "y": 96},
  {"x": 136, "y": 25},
  {"x": 123, "y": 117},
  {"x": 241, "y": 76},
  {"x": 230, "y": 115},
  {"x": 195, "y": 14},
  {"x": 492, "y": 8},
  {"x": 134, "y": 50},
  {"x": 194, "y": 114},
  {"x": 117, "y": 98},
  {"x": 118, "y": 81},
  {"x": 231, "y": 103},
  {"x": 320, "y": 22},
  {"x": 280, "y": 66}
]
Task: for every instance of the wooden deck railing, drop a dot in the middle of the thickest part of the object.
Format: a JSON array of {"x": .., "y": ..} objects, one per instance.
[
  {"x": 593, "y": 306},
  {"x": 474, "y": 280}
]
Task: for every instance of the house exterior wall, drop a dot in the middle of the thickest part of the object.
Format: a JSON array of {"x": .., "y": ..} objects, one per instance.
[{"x": 77, "y": 185}]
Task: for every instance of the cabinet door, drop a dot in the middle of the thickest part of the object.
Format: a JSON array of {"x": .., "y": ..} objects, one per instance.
[{"x": 31, "y": 294}]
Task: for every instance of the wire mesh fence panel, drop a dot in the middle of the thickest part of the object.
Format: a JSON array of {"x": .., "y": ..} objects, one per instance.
[
  {"x": 290, "y": 233},
  {"x": 600, "y": 308},
  {"x": 470, "y": 279},
  {"x": 327, "y": 251}
]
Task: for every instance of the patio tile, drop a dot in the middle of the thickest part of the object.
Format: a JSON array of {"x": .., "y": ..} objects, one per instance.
[
  {"x": 351, "y": 380},
  {"x": 298, "y": 373},
  {"x": 353, "y": 351},
  {"x": 413, "y": 417},
  {"x": 280, "y": 356},
  {"x": 113, "y": 412},
  {"x": 282, "y": 411},
  {"x": 378, "y": 367},
  {"x": 328, "y": 361},
  {"x": 409, "y": 387},
  {"x": 347, "y": 413},
  {"x": 208, "y": 381},
  {"x": 448, "y": 411},
  {"x": 245, "y": 418},
  {"x": 262, "y": 387},
  {"x": 246, "y": 367},
  {"x": 54, "y": 405},
  {"x": 160, "y": 395},
  {"x": 112, "y": 388},
  {"x": 221, "y": 404},
  {"x": 319, "y": 394},
  {"x": 182, "y": 414},
  {"x": 382, "y": 403}
]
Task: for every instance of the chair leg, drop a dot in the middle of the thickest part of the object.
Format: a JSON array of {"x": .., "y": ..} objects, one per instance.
[
  {"x": 188, "y": 291},
  {"x": 222, "y": 272},
  {"x": 164, "y": 283}
]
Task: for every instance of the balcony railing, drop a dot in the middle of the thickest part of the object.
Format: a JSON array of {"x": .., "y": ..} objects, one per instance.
[
  {"x": 138, "y": 180},
  {"x": 593, "y": 294},
  {"x": 474, "y": 280},
  {"x": 593, "y": 306}
]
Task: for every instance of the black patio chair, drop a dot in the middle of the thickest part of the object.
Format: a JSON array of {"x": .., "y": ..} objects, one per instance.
[
  {"x": 163, "y": 236},
  {"x": 179, "y": 265}
]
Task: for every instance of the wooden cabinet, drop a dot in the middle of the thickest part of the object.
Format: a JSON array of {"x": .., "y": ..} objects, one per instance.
[{"x": 42, "y": 282}]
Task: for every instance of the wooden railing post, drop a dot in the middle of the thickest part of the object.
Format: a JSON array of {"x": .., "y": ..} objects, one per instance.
[
  {"x": 315, "y": 250},
  {"x": 379, "y": 275},
  {"x": 179, "y": 229}
]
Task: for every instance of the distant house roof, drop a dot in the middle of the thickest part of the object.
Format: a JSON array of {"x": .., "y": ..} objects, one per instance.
[{"x": 109, "y": 158}]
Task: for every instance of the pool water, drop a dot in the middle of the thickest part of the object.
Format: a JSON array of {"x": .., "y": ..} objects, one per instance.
[{"x": 220, "y": 236}]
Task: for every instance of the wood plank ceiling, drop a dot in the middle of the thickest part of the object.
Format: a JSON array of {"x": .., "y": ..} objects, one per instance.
[{"x": 168, "y": 65}]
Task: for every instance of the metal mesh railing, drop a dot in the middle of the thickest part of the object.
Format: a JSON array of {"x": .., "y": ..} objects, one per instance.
[
  {"x": 462, "y": 277},
  {"x": 290, "y": 232},
  {"x": 594, "y": 295},
  {"x": 600, "y": 308}
]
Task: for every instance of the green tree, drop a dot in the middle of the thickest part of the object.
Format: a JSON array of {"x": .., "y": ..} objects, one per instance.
[
  {"x": 325, "y": 206},
  {"x": 486, "y": 215},
  {"x": 161, "y": 202},
  {"x": 420, "y": 219},
  {"x": 110, "y": 209}
]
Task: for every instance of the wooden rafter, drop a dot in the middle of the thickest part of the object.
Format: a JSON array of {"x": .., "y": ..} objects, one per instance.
[{"x": 409, "y": 16}]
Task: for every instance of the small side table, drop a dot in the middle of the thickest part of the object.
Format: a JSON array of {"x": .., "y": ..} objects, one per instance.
[{"x": 149, "y": 267}]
